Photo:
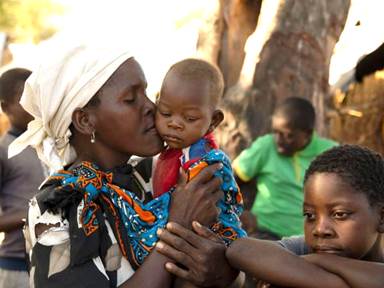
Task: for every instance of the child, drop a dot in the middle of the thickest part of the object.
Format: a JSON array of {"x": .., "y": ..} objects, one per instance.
[
  {"x": 186, "y": 116},
  {"x": 19, "y": 179},
  {"x": 344, "y": 226},
  {"x": 344, "y": 216}
]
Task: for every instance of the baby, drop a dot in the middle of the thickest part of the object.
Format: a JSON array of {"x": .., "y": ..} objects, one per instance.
[{"x": 186, "y": 116}]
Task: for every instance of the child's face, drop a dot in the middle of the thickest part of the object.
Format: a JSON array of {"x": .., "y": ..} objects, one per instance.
[
  {"x": 185, "y": 112},
  {"x": 340, "y": 220}
]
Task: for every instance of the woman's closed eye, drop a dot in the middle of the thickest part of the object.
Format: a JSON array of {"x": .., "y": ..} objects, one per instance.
[{"x": 129, "y": 100}]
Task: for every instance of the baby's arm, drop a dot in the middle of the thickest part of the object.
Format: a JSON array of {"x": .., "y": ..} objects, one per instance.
[
  {"x": 231, "y": 205},
  {"x": 268, "y": 261},
  {"x": 356, "y": 273}
]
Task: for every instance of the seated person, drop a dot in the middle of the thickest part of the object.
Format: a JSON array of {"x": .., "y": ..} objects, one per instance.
[
  {"x": 20, "y": 178},
  {"x": 344, "y": 226},
  {"x": 278, "y": 162},
  {"x": 186, "y": 117}
]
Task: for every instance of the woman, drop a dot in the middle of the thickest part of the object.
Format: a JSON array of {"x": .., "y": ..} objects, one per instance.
[{"x": 91, "y": 114}]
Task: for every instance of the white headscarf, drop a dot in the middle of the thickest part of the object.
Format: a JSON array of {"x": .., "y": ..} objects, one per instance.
[{"x": 54, "y": 91}]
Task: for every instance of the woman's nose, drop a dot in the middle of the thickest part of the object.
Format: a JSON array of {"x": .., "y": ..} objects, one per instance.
[{"x": 149, "y": 107}]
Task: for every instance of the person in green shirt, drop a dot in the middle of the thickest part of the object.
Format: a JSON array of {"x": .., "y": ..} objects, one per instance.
[{"x": 278, "y": 162}]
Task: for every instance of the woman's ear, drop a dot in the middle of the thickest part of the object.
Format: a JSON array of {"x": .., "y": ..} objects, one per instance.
[
  {"x": 83, "y": 121},
  {"x": 217, "y": 118}
]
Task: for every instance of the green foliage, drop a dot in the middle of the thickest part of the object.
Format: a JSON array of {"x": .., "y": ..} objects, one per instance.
[{"x": 28, "y": 20}]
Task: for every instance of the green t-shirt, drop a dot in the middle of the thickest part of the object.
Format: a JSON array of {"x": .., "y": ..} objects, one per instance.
[{"x": 279, "y": 199}]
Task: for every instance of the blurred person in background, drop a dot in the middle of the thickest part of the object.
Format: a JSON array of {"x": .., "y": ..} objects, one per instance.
[
  {"x": 20, "y": 177},
  {"x": 278, "y": 161}
]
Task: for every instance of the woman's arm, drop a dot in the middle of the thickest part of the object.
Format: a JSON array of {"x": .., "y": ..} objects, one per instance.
[
  {"x": 190, "y": 201},
  {"x": 150, "y": 274},
  {"x": 203, "y": 259},
  {"x": 356, "y": 273},
  {"x": 193, "y": 200}
]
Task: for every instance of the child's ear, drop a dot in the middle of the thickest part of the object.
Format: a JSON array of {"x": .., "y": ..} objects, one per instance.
[
  {"x": 83, "y": 121},
  {"x": 381, "y": 220},
  {"x": 217, "y": 118}
]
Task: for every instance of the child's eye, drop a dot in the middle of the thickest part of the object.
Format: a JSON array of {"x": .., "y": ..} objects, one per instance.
[
  {"x": 191, "y": 119},
  {"x": 165, "y": 114},
  {"x": 309, "y": 216},
  {"x": 340, "y": 215}
]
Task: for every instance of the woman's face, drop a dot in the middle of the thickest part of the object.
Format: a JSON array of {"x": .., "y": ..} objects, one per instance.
[{"x": 125, "y": 116}]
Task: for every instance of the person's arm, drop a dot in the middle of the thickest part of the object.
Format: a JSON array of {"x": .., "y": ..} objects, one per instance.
[
  {"x": 246, "y": 167},
  {"x": 9, "y": 220},
  {"x": 12, "y": 220},
  {"x": 190, "y": 201},
  {"x": 248, "y": 189},
  {"x": 193, "y": 200},
  {"x": 203, "y": 259},
  {"x": 356, "y": 273},
  {"x": 263, "y": 259},
  {"x": 268, "y": 261}
]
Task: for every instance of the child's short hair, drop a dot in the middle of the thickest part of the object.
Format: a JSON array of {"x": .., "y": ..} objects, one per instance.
[
  {"x": 197, "y": 69},
  {"x": 299, "y": 112},
  {"x": 360, "y": 167},
  {"x": 12, "y": 83}
]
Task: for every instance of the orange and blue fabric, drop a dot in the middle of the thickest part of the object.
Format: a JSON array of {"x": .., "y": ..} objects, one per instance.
[
  {"x": 134, "y": 223},
  {"x": 193, "y": 159}
]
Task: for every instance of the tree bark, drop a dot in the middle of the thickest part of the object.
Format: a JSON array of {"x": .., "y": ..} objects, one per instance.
[
  {"x": 240, "y": 19},
  {"x": 294, "y": 61},
  {"x": 222, "y": 38}
]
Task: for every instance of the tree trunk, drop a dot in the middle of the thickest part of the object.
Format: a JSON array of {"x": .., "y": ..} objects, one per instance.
[
  {"x": 294, "y": 61},
  {"x": 222, "y": 39}
]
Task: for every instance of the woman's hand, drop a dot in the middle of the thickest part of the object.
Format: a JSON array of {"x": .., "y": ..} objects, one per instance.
[
  {"x": 196, "y": 200},
  {"x": 202, "y": 255}
]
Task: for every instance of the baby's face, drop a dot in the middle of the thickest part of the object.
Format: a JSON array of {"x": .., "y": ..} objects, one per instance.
[
  {"x": 184, "y": 111},
  {"x": 340, "y": 220}
]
